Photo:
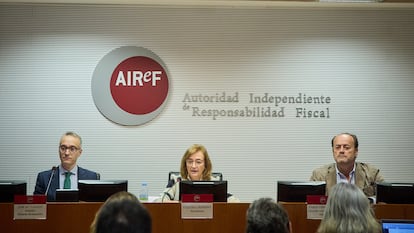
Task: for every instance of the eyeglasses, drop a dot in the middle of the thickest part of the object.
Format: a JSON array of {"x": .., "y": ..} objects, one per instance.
[
  {"x": 72, "y": 149},
  {"x": 197, "y": 162}
]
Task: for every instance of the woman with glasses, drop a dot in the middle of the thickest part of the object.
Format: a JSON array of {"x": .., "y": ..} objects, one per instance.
[{"x": 195, "y": 166}]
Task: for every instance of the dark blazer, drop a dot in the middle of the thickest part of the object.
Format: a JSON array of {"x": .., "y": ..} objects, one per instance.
[{"x": 43, "y": 180}]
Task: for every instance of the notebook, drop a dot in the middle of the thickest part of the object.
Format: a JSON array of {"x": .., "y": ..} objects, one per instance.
[{"x": 397, "y": 225}]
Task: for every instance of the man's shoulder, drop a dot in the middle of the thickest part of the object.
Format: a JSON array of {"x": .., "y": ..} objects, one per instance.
[
  {"x": 366, "y": 166},
  {"x": 325, "y": 168},
  {"x": 321, "y": 173},
  {"x": 83, "y": 172},
  {"x": 369, "y": 171},
  {"x": 45, "y": 172},
  {"x": 44, "y": 175}
]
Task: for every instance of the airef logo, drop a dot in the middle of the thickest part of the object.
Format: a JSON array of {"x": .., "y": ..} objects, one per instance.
[{"x": 130, "y": 85}]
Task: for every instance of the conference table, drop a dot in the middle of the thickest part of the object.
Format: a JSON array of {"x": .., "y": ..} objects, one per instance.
[{"x": 64, "y": 217}]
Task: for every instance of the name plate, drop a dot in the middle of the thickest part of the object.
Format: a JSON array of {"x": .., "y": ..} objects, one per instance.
[
  {"x": 30, "y": 207},
  {"x": 315, "y": 206},
  {"x": 196, "y": 210},
  {"x": 197, "y": 206}
]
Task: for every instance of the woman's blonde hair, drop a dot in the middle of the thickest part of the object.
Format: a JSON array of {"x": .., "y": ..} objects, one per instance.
[{"x": 207, "y": 162}]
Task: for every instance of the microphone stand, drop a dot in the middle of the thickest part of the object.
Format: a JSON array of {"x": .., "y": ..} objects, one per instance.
[{"x": 50, "y": 179}]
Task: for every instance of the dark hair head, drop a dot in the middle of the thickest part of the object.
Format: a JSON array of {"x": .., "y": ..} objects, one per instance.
[
  {"x": 356, "y": 144},
  {"x": 266, "y": 216},
  {"x": 122, "y": 213}
]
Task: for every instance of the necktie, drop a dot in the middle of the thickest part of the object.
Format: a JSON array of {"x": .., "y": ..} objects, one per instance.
[{"x": 66, "y": 183}]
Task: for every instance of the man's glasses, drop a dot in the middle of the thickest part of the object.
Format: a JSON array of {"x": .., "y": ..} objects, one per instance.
[{"x": 72, "y": 149}]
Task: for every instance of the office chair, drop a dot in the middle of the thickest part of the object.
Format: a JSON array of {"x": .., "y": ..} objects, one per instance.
[{"x": 174, "y": 177}]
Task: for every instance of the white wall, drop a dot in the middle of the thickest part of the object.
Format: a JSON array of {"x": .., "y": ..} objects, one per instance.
[{"x": 362, "y": 58}]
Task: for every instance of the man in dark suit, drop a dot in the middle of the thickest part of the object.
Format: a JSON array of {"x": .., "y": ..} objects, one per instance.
[{"x": 67, "y": 174}]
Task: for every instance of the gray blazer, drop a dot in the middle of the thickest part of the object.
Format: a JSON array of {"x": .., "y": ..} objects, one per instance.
[{"x": 366, "y": 177}]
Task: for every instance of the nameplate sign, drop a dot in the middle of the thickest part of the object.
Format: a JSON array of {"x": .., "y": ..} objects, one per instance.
[
  {"x": 197, "y": 206},
  {"x": 30, "y": 207},
  {"x": 315, "y": 206}
]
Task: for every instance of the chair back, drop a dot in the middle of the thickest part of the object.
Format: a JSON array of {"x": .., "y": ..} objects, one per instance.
[{"x": 174, "y": 177}]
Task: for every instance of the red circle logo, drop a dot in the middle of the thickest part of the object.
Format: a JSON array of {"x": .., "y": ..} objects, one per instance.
[
  {"x": 197, "y": 198},
  {"x": 139, "y": 85},
  {"x": 130, "y": 85}
]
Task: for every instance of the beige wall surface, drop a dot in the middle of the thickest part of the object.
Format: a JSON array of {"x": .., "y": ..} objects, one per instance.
[{"x": 361, "y": 58}]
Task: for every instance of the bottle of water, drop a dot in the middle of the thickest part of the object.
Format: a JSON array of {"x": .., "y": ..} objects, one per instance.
[{"x": 143, "y": 192}]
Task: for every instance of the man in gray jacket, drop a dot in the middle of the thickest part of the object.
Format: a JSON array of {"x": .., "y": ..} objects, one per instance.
[{"x": 345, "y": 169}]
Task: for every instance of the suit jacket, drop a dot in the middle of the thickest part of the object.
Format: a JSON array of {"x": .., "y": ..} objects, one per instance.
[
  {"x": 43, "y": 180},
  {"x": 366, "y": 177}
]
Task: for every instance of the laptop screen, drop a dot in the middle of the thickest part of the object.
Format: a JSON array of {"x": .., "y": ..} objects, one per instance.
[{"x": 397, "y": 226}]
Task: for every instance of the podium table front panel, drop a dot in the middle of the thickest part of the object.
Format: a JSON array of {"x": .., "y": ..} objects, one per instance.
[{"x": 166, "y": 217}]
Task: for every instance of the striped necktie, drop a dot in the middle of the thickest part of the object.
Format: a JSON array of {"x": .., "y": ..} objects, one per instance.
[{"x": 66, "y": 183}]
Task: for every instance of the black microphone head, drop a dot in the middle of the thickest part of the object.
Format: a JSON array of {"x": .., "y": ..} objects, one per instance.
[
  {"x": 54, "y": 168},
  {"x": 179, "y": 179},
  {"x": 170, "y": 183}
]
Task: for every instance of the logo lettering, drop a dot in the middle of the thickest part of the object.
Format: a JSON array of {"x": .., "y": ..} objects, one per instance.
[{"x": 138, "y": 78}]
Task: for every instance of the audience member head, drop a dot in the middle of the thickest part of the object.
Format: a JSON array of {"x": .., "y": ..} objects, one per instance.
[
  {"x": 266, "y": 216},
  {"x": 345, "y": 149},
  {"x": 70, "y": 149},
  {"x": 122, "y": 213},
  {"x": 348, "y": 211},
  {"x": 196, "y": 164}
]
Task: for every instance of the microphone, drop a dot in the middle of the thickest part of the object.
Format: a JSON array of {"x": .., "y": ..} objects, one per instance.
[
  {"x": 172, "y": 182},
  {"x": 50, "y": 179}
]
